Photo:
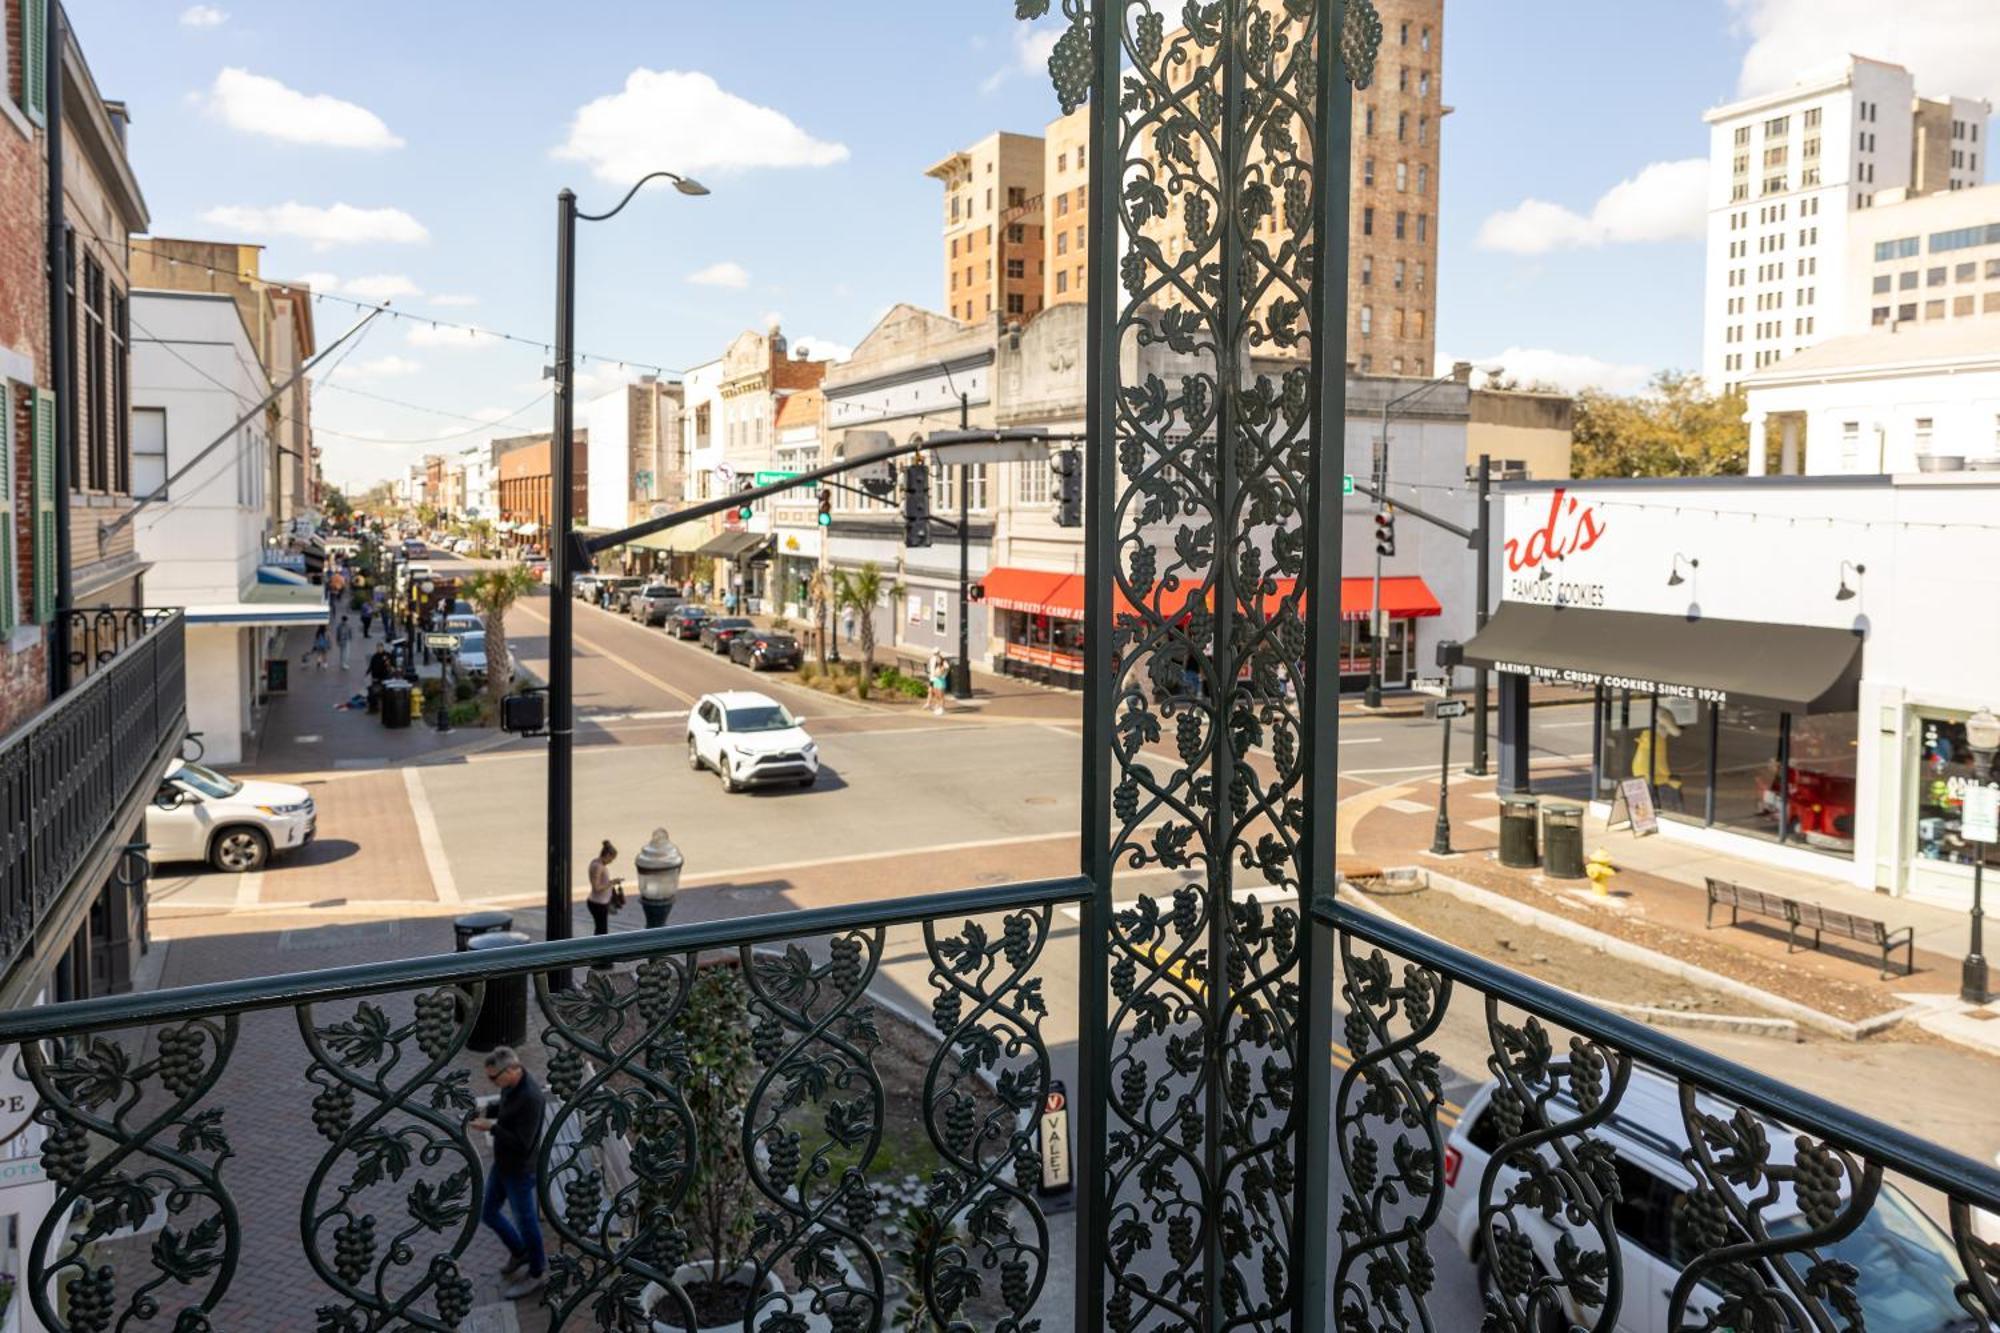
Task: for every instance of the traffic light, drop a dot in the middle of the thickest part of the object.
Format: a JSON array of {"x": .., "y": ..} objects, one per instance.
[
  {"x": 916, "y": 505},
  {"x": 825, "y": 507},
  {"x": 1068, "y": 465},
  {"x": 1385, "y": 533},
  {"x": 745, "y": 508}
]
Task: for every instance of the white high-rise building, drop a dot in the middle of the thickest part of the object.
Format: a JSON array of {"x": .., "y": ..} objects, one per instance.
[{"x": 1786, "y": 172}]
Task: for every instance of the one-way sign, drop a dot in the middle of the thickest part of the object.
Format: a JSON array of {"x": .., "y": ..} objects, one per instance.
[{"x": 1445, "y": 709}]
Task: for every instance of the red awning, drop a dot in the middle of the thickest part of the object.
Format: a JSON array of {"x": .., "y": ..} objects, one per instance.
[{"x": 1040, "y": 592}]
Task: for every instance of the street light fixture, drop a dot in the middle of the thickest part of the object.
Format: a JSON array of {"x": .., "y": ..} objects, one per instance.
[
  {"x": 659, "y": 865},
  {"x": 1982, "y": 737},
  {"x": 562, "y": 449}
]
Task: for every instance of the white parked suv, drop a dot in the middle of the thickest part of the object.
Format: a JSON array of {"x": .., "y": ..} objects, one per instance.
[
  {"x": 199, "y": 814},
  {"x": 750, "y": 740},
  {"x": 1907, "y": 1264}
]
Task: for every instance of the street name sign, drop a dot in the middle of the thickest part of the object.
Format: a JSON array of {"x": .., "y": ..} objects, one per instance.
[
  {"x": 1439, "y": 686},
  {"x": 1347, "y": 483},
  {"x": 1445, "y": 709},
  {"x": 772, "y": 478}
]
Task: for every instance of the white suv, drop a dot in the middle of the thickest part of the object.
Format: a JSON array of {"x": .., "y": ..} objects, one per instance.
[
  {"x": 750, "y": 740},
  {"x": 1907, "y": 1264},
  {"x": 199, "y": 814}
]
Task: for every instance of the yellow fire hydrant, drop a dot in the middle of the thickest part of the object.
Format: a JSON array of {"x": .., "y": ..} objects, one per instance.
[{"x": 1600, "y": 870}]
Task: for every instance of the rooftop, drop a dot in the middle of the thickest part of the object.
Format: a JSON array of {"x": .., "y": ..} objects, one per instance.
[{"x": 1959, "y": 344}]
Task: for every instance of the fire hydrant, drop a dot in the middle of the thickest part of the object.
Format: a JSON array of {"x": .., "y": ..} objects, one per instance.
[{"x": 1600, "y": 870}]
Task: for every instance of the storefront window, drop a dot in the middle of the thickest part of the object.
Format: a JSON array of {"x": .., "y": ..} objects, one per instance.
[
  {"x": 1747, "y": 745},
  {"x": 1686, "y": 740},
  {"x": 1949, "y": 769},
  {"x": 1823, "y": 751}
]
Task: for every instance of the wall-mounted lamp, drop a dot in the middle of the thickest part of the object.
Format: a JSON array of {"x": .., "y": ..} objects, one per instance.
[
  {"x": 1846, "y": 594},
  {"x": 1675, "y": 578}
]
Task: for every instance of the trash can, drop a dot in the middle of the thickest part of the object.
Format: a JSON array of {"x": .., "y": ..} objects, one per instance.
[
  {"x": 503, "y": 1014},
  {"x": 1517, "y": 832},
  {"x": 478, "y": 923},
  {"x": 1562, "y": 840},
  {"x": 396, "y": 703}
]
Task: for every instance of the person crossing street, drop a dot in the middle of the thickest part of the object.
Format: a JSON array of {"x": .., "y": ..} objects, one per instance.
[{"x": 343, "y": 638}]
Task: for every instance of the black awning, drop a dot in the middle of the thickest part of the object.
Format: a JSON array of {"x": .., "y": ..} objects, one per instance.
[
  {"x": 1797, "y": 668},
  {"x": 733, "y": 545}
]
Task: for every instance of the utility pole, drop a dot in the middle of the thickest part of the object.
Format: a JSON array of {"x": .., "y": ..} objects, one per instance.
[
  {"x": 961, "y": 685},
  {"x": 560, "y": 908},
  {"x": 1482, "y": 577},
  {"x": 1371, "y": 696}
]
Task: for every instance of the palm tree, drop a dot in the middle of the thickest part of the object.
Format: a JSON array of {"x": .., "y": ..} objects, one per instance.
[
  {"x": 820, "y": 594},
  {"x": 863, "y": 590},
  {"x": 493, "y": 591}
]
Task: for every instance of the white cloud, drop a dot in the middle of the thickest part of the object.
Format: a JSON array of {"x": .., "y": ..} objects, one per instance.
[
  {"x": 1032, "y": 48},
  {"x": 203, "y": 16},
  {"x": 255, "y": 104},
  {"x": 436, "y": 335},
  {"x": 683, "y": 120},
  {"x": 320, "y": 282},
  {"x": 381, "y": 367},
  {"x": 380, "y": 287},
  {"x": 1569, "y": 371},
  {"x": 724, "y": 273},
  {"x": 1666, "y": 201},
  {"x": 453, "y": 299},
  {"x": 1951, "y": 46},
  {"x": 323, "y": 226},
  {"x": 594, "y": 379}
]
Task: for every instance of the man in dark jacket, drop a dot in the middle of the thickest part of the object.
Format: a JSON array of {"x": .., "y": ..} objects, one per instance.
[{"x": 517, "y": 1130}]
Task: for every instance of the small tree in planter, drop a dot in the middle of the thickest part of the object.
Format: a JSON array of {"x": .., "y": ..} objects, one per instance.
[
  {"x": 863, "y": 590},
  {"x": 719, "y": 1212}
]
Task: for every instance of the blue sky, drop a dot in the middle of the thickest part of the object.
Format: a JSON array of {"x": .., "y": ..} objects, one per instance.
[{"x": 423, "y": 145}]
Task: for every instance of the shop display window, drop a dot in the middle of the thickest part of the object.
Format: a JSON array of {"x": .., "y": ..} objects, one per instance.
[{"x": 1948, "y": 768}]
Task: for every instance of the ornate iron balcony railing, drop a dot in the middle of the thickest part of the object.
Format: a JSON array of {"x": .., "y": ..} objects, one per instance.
[
  {"x": 67, "y": 772},
  {"x": 308, "y": 1135}
]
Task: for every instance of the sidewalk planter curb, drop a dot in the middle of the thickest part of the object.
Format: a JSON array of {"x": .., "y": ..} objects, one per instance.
[{"x": 1625, "y": 951}]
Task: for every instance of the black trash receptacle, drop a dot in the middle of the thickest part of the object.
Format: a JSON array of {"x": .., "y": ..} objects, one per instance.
[
  {"x": 503, "y": 1014},
  {"x": 1517, "y": 832},
  {"x": 478, "y": 923},
  {"x": 1562, "y": 840},
  {"x": 396, "y": 703}
]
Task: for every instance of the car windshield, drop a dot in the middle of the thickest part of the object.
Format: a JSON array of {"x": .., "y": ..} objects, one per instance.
[
  {"x": 760, "y": 717},
  {"x": 693, "y": 613},
  {"x": 472, "y": 643},
  {"x": 1911, "y": 1270},
  {"x": 207, "y": 781}
]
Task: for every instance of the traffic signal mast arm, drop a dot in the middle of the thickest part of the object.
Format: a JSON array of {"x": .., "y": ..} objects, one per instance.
[
  {"x": 1467, "y": 535},
  {"x": 584, "y": 548}
]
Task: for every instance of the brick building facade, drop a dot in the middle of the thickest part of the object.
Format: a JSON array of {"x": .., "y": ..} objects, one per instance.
[{"x": 526, "y": 472}]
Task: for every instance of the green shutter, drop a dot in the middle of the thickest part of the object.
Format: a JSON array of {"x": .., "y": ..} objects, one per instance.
[
  {"x": 45, "y": 506},
  {"x": 35, "y": 60}
]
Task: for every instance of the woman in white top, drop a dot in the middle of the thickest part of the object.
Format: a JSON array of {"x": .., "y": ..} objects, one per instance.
[{"x": 601, "y": 885}]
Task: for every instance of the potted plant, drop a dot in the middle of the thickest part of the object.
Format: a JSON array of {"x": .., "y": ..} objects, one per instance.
[{"x": 719, "y": 1213}]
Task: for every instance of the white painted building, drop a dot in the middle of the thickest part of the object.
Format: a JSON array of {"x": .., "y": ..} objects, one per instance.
[
  {"x": 193, "y": 376},
  {"x": 1926, "y": 260},
  {"x": 1787, "y": 173},
  {"x": 482, "y": 483},
  {"x": 1817, "y": 642}
]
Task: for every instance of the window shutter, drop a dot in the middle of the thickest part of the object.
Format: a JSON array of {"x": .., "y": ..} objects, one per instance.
[
  {"x": 45, "y": 506},
  {"x": 35, "y": 60}
]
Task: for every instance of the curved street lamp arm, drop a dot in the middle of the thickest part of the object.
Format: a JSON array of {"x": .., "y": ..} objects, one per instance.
[{"x": 673, "y": 176}]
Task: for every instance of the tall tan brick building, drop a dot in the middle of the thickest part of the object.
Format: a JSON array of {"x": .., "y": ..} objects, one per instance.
[
  {"x": 1393, "y": 198},
  {"x": 993, "y": 220}
]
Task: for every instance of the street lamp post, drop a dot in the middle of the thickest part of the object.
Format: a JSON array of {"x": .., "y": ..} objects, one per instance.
[
  {"x": 659, "y": 865},
  {"x": 1982, "y": 737},
  {"x": 562, "y": 451}
]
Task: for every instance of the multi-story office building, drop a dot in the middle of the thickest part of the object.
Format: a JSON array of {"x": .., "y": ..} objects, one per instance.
[
  {"x": 1788, "y": 173},
  {"x": 993, "y": 219},
  {"x": 1930, "y": 258},
  {"x": 1393, "y": 199}
]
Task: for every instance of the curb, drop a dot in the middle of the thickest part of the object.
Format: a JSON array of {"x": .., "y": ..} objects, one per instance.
[
  {"x": 1745, "y": 1024},
  {"x": 1625, "y": 951}
]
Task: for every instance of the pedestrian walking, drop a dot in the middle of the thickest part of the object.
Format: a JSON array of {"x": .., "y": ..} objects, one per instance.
[
  {"x": 320, "y": 647},
  {"x": 343, "y": 637},
  {"x": 380, "y": 668},
  {"x": 847, "y": 625},
  {"x": 367, "y": 619},
  {"x": 937, "y": 676},
  {"x": 607, "y": 895},
  {"x": 516, "y": 1127},
  {"x": 729, "y": 602}
]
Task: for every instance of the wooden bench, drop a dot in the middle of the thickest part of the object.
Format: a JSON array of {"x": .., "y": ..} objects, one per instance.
[{"x": 1821, "y": 921}]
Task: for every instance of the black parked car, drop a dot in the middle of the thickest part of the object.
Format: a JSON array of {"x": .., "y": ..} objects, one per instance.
[
  {"x": 764, "y": 651},
  {"x": 717, "y": 631},
  {"x": 686, "y": 621}
]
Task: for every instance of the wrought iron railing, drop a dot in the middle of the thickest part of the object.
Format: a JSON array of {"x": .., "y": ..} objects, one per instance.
[
  {"x": 66, "y": 772},
  {"x": 1595, "y": 1153},
  {"x": 95, "y": 636},
  {"x": 333, "y": 1181}
]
